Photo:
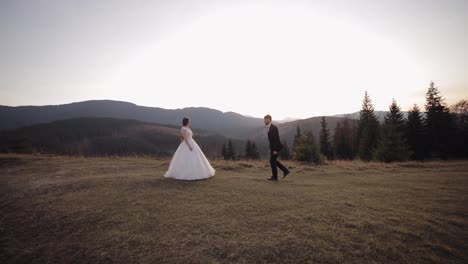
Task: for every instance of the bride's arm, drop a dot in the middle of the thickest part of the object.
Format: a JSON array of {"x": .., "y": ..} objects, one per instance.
[{"x": 184, "y": 138}]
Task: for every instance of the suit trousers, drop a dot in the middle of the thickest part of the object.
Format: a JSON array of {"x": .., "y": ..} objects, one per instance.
[{"x": 274, "y": 163}]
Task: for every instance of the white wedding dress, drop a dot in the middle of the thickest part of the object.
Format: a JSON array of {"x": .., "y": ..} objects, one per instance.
[{"x": 189, "y": 164}]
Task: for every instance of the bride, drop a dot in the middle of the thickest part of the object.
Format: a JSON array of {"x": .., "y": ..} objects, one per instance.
[{"x": 189, "y": 162}]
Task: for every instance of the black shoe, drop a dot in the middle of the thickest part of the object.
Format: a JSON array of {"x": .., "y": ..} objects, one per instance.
[
  {"x": 272, "y": 179},
  {"x": 285, "y": 174}
]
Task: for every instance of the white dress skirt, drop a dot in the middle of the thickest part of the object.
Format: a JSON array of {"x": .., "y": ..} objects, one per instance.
[{"x": 189, "y": 164}]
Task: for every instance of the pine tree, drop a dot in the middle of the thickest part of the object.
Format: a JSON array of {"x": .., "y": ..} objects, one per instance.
[
  {"x": 307, "y": 150},
  {"x": 231, "y": 153},
  {"x": 343, "y": 141},
  {"x": 325, "y": 145},
  {"x": 392, "y": 146},
  {"x": 285, "y": 153},
  {"x": 297, "y": 139},
  {"x": 368, "y": 130},
  {"x": 460, "y": 117},
  {"x": 251, "y": 151},
  {"x": 353, "y": 127},
  {"x": 224, "y": 152},
  {"x": 438, "y": 123},
  {"x": 248, "y": 150},
  {"x": 395, "y": 116},
  {"x": 254, "y": 151},
  {"x": 414, "y": 133}
]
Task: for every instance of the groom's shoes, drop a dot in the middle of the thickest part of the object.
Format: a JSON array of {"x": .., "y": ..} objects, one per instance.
[
  {"x": 285, "y": 174},
  {"x": 272, "y": 179}
]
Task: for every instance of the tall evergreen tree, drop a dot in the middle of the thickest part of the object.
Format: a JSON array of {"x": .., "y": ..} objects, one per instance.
[
  {"x": 224, "y": 152},
  {"x": 460, "y": 116},
  {"x": 438, "y": 123},
  {"x": 251, "y": 151},
  {"x": 343, "y": 141},
  {"x": 325, "y": 145},
  {"x": 368, "y": 130},
  {"x": 248, "y": 150},
  {"x": 395, "y": 116},
  {"x": 392, "y": 146},
  {"x": 285, "y": 153},
  {"x": 297, "y": 139},
  {"x": 414, "y": 133},
  {"x": 307, "y": 150},
  {"x": 254, "y": 151},
  {"x": 231, "y": 153},
  {"x": 353, "y": 127}
]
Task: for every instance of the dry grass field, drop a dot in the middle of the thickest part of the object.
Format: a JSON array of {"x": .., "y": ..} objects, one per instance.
[{"x": 122, "y": 210}]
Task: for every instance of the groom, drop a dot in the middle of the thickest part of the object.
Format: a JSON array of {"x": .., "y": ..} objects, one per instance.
[{"x": 275, "y": 147}]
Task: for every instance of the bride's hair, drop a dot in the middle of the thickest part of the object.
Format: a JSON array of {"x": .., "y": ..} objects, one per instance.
[{"x": 185, "y": 121}]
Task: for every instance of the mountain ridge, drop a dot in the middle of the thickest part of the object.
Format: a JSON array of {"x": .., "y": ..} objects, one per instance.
[
  {"x": 92, "y": 136},
  {"x": 227, "y": 123}
]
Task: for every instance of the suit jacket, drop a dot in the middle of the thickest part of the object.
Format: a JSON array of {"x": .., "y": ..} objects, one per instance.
[{"x": 274, "y": 139}]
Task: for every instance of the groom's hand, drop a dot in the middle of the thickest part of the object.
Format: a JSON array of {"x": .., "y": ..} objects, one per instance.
[{"x": 275, "y": 152}]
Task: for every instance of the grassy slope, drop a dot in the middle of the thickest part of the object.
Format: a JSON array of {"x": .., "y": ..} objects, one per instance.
[{"x": 121, "y": 210}]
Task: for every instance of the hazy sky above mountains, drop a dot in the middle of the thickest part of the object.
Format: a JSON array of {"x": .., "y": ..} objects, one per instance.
[{"x": 286, "y": 58}]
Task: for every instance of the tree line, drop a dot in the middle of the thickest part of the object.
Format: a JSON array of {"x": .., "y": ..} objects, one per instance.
[
  {"x": 438, "y": 132},
  {"x": 228, "y": 152}
]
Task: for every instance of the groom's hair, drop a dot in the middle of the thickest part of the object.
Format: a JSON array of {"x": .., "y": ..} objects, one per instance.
[
  {"x": 267, "y": 117},
  {"x": 185, "y": 121}
]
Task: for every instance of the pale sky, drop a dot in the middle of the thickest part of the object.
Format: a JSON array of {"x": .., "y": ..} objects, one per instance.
[{"x": 286, "y": 58}]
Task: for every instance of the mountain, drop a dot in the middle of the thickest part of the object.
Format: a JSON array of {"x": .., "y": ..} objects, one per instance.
[
  {"x": 105, "y": 136},
  {"x": 229, "y": 124}
]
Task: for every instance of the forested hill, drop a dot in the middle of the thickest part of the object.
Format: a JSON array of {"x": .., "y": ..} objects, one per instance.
[
  {"x": 229, "y": 124},
  {"x": 104, "y": 136}
]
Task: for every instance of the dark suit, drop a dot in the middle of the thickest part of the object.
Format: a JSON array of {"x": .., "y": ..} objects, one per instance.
[{"x": 275, "y": 145}]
